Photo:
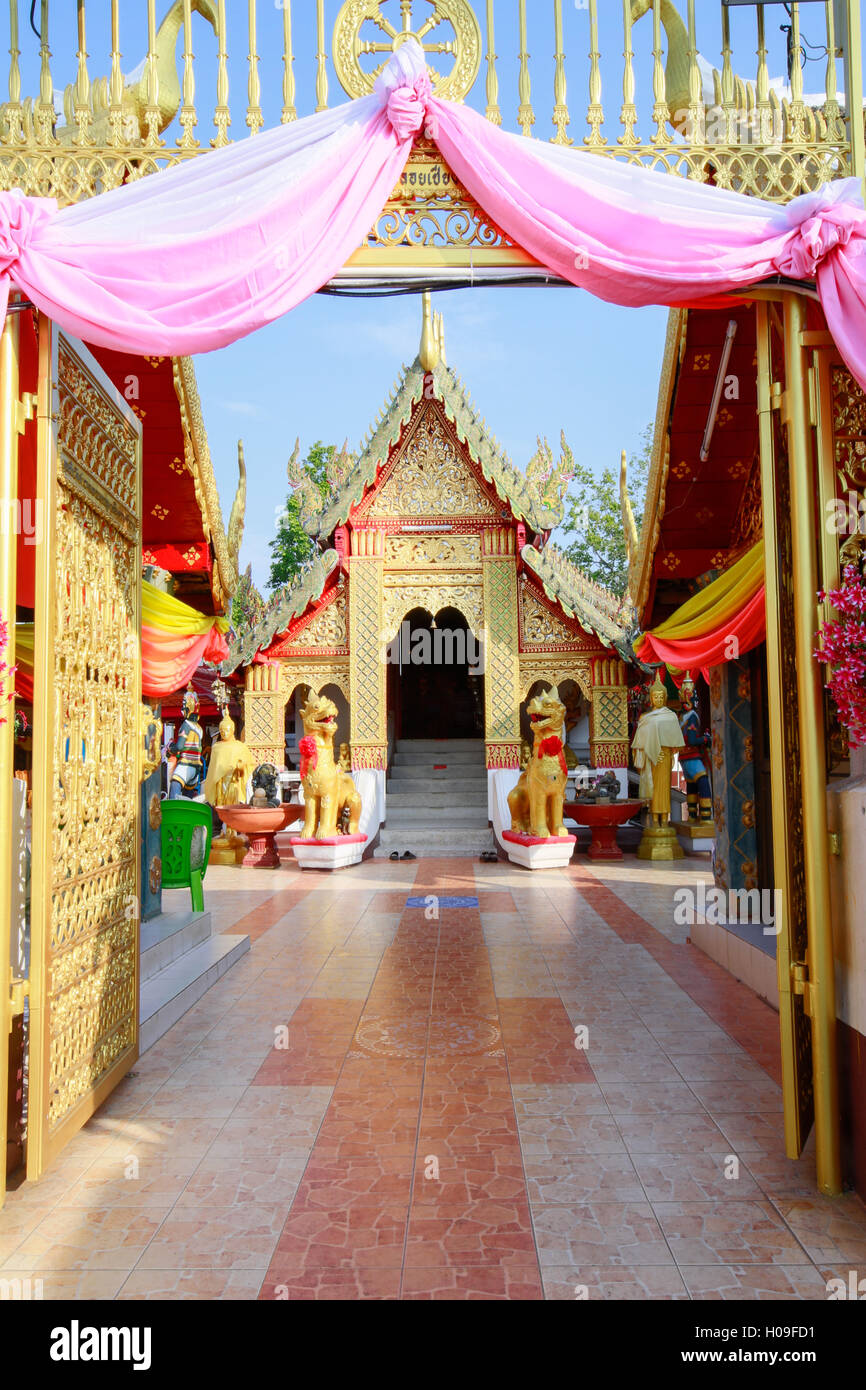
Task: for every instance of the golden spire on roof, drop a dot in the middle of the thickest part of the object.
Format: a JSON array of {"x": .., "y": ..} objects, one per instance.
[
  {"x": 432, "y": 349},
  {"x": 628, "y": 521}
]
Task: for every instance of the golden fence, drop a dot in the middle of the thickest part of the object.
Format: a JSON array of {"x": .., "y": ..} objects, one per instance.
[{"x": 75, "y": 139}]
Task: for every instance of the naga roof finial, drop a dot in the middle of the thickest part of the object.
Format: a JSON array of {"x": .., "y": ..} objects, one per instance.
[{"x": 430, "y": 351}]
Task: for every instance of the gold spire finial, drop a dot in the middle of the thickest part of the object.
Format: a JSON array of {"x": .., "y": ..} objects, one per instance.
[
  {"x": 628, "y": 521},
  {"x": 430, "y": 351},
  {"x": 439, "y": 321}
]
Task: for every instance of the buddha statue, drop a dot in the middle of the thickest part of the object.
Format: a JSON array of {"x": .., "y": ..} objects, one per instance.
[
  {"x": 657, "y": 738},
  {"x": 230, "y": 768}
]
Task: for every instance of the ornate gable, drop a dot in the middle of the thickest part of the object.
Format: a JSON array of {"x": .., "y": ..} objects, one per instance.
[
  {"x": 541, "y": 627},
  {"x": 430, "y": 476},
  {"x": 328, "y": 628},
  {"x": 324, "y": 629}
]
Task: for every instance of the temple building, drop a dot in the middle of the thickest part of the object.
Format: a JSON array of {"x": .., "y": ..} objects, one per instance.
[{"x": 434, "y": 531}]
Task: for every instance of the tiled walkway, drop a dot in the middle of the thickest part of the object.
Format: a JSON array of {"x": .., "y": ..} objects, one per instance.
[{"x": 384, "y": 1100}]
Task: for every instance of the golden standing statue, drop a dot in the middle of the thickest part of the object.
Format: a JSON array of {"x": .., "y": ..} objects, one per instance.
[
  {"x": 230, "y": 769},
  {"x": 657, "y": 738}
]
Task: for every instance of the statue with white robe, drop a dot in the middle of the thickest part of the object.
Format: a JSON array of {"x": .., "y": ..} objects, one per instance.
[{"x": 657, "y": 738}]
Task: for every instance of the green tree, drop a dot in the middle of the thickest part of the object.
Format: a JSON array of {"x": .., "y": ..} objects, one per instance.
[
  {"x": 593, "y": 516},
  {"x": 292, "y": 546}
]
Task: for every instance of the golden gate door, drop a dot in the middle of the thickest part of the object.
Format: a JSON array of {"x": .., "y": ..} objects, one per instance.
[{"x": 87, "y": 681}]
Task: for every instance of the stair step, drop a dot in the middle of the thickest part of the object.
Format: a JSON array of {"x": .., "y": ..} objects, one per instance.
[
  {"x": 426, "y": 843},
  {"x": 430, "y": 761},
  {"x": 439, "y": 745},
  {"x": 456, "y": 773},
  {"x": 436, "y": 795},
  {"x": 168, "y": 936},
  {"x": 438, "y": 817},
  {"x": 167, "y": 995}
]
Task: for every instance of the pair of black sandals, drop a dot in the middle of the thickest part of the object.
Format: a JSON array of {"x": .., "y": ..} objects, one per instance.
[{"x": 407, "y": 854}]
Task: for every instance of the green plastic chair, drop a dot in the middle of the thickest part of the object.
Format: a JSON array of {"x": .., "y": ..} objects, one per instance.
[{"x": 186, "y": 837}]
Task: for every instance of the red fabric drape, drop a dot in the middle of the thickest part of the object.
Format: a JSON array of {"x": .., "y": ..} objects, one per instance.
[{"x": 748, "y": 627}]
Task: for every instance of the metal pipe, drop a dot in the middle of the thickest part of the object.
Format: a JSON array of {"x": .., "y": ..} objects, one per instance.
[{"x": 719, "y": 387}]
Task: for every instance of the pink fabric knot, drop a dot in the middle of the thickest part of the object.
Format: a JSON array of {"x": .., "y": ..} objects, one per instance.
[
  {"x": 821, "y": 222},
  {"x": 409, "y": 108},
  {"x": 20, "y": 217},
  {"x": 406, "y": 92}
]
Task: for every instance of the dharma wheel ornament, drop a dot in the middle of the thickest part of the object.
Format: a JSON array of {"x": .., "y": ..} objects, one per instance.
[{"x": 349, "y": 46}]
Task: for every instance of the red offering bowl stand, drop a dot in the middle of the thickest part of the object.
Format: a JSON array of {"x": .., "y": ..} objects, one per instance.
[
  {"x": 603, "y": 821},
  {"x": 260, "y": 824}
]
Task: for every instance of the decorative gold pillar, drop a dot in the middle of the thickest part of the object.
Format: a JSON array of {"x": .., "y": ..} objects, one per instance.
[
  {"x": 501, "y": 649},
  {"x": 368, "y": 714},
  {"x": 854, "y": 88},
  {"x": 264, "y": 720},
  {"x": 814, "y": 977},
  {"x": 608, "y": 735},
  {"x": 794, "y": 1027}
]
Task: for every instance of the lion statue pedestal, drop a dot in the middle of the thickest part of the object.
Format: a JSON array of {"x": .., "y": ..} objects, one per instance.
[
  {"x": 538, "y": 838},
  {"x": 330, "y": 795}
]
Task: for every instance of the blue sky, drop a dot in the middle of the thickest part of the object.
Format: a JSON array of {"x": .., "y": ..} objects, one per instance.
[{"x": 535, "y": 361}]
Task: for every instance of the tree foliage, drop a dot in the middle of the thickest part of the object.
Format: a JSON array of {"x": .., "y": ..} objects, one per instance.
[
  {"x": 309, "y": 482},
  {"x": 593, "y": 516}
]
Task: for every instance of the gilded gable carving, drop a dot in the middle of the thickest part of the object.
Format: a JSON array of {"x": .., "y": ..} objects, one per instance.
[
  {"x": 328, "y": 629},
  {"x": 430, "y": 552},
  {"x": 431, "y": 479},
  {"x": 447, "y": 591},
  {"x": 543, "y": 628}
]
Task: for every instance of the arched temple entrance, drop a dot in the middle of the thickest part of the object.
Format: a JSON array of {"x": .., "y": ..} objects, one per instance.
[{"x": 436, "y": 677}]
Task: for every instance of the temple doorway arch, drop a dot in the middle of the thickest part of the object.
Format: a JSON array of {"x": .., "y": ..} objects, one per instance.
[{"x": 435, "y": 677}]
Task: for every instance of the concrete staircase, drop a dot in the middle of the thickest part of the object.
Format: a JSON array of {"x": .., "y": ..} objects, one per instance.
[
  {"x": 180, "y": 960},
  {"x": 437, "y": 800}
]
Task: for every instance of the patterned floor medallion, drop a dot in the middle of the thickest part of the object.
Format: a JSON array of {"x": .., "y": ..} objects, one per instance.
[{"x": 449, "y": 1037}]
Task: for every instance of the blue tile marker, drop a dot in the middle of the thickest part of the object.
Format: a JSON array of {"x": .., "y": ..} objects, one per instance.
[{"x": 443, "y": 902}]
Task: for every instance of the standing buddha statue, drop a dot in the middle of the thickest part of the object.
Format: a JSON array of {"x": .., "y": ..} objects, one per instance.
[
  {"x": 657, "y": 738},
  {"x": 229, "y": 771}
]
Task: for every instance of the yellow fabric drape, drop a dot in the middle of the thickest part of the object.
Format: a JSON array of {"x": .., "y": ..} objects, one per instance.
[
  {"x": 25, "y": 643},
  {"x": 719, "y": 602},
  {"x": 165, "y": 613}
]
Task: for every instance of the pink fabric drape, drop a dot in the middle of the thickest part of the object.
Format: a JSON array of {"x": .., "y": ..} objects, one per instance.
[
  {"x": 168, "y": 662},
  {"x": 195, "y": 257}
]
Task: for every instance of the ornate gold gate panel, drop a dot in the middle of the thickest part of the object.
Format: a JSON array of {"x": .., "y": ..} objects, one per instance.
[
  {"x": 807, "y": 1004},
  {"x": 85, "y": 871}
]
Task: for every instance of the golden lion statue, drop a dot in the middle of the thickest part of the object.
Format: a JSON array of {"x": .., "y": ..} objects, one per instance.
[
  {"x": 327, "y": 789},
  {"x": 536, "y": 802}
]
